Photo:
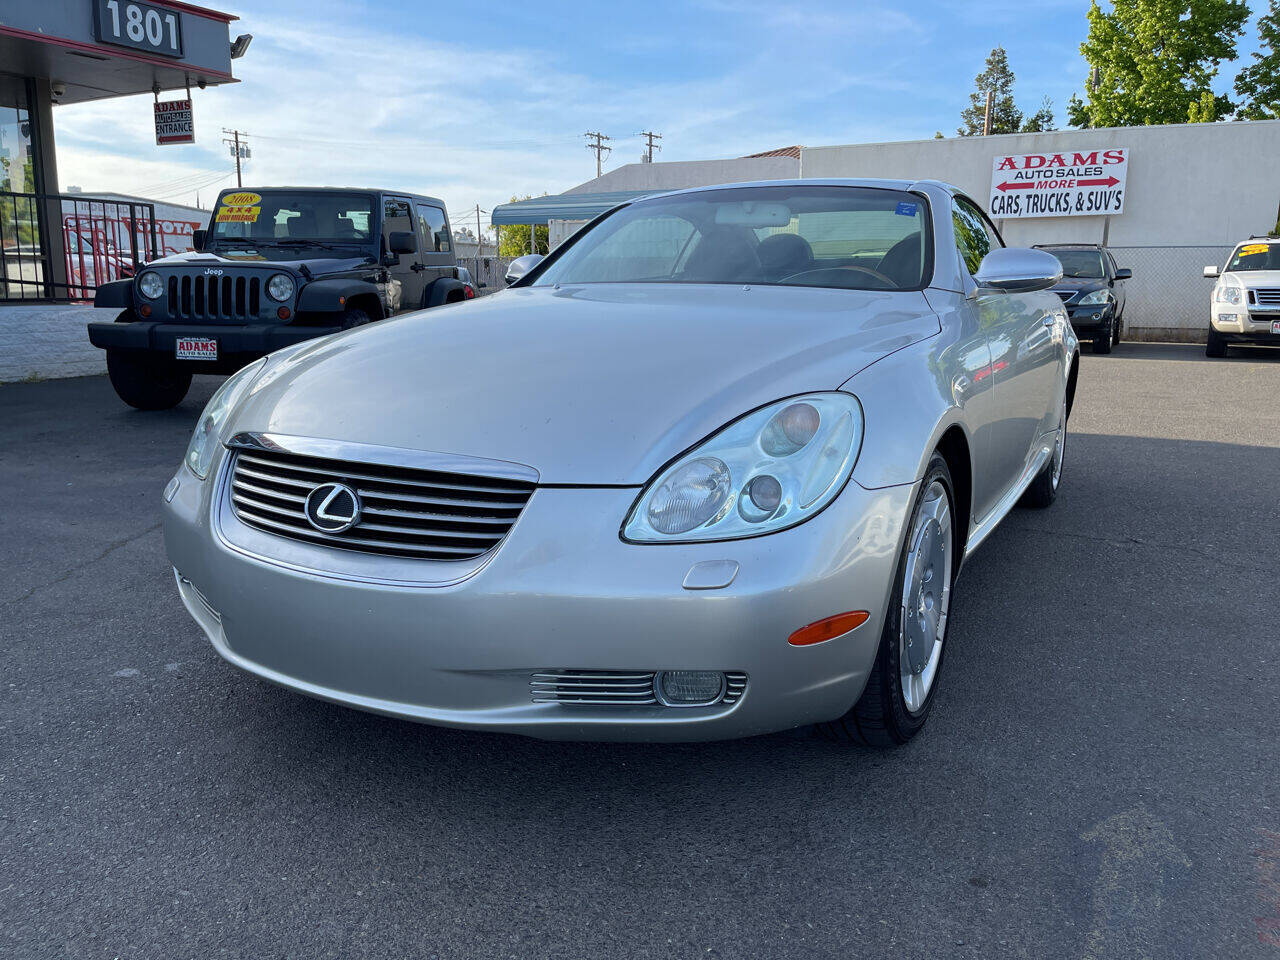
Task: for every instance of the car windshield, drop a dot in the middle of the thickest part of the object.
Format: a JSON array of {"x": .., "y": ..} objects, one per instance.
[
  {"x": 1082, "y": 264},
  {"x": 273, "y": 216},
  {"x": 1256, "y": 256},
  {"x": 856, "y": 238}
]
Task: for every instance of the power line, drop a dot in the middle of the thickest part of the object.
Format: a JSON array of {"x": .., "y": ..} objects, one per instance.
[{"x": 601, "y": 150}]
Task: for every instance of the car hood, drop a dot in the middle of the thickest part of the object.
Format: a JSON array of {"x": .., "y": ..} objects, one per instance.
[
  {"x": 317, "y": 265},
  {"x": 1257, "y": 278},
  {"x": 1079, "y": 284},
  {"x": 592, "y": 385}
]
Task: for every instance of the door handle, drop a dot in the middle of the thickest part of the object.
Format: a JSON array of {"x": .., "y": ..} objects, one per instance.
[{"x": 417, "y": 267}]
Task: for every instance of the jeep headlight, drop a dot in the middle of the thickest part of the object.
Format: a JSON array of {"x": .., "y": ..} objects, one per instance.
[
  {"x": 204, "y": 442},
  {"x": 1096, "y": 298},
  {"x": 280, "y": 287},
  {"x": 767, "y": 471},
  {"x": 151, "y": 285},
  {"x": 1227, "y": 293}
]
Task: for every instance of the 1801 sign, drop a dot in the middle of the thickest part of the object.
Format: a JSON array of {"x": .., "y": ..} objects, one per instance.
[{"x": 139, "y": 25}]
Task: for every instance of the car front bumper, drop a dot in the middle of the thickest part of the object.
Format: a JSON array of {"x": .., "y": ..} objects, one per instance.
[
  {"x": 1090, "y": 319},
  {"x": 245, "y": 341},
  {"x": 1237, "y": 324},
  {"x": 562, "y": 592}
]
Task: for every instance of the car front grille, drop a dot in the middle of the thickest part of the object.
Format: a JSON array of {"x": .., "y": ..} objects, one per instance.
[
  {"x": 403, "y": 512},
  {"x": 227, "y": 298},
  {"x": 1268, "y": 297},
  {"x": 614, "y": 688}
]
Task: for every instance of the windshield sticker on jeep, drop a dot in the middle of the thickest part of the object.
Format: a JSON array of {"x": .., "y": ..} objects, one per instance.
[
  {"x": 1249, "y": 249},
  {"x": 227, "y": 214},
  {"x": 244, "y": 199}
]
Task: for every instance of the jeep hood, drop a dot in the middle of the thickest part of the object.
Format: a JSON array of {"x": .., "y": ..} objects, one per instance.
[
  {"x": 591, "y": 384},
  {"x": 264, "y": 261}
]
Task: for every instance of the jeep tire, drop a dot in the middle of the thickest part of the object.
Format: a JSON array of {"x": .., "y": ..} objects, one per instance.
[{"x": 146, "y": 381}]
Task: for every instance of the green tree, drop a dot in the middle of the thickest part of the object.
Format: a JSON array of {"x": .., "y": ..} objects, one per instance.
[
  {"x": 1154, "y": 59},
  {"x": 997, "y": 79},
  {"x": 1259, "y": 82},
  {"x": 1042, "y": 120},
  {"x": 514, "y": 240}
]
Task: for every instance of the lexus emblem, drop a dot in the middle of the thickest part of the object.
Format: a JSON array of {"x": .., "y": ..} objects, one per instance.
[{"x": 333, "y": 508}]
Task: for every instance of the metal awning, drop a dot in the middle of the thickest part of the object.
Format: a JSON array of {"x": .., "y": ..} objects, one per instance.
[{"x": 564, "y": 206}]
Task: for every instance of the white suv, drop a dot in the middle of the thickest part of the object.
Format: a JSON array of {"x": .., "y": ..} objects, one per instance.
[{"x": 1246, "y": 298}]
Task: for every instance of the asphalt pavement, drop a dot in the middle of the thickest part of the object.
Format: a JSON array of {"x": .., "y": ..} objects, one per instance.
[{"x": 1099, "y": 777}]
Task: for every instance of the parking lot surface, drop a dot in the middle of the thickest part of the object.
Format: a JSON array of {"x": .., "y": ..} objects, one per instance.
[{"x": 1098, "y": 779}]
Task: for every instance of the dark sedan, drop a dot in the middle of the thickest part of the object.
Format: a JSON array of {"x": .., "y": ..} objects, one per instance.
[{"x": 1093, "y": 288}]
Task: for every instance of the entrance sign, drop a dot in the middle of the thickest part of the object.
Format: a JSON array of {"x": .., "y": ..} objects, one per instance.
[
  {"x": 142, "y": 26},
  {"x": 1074, "y": 183},
  {"x": 174, "y": 122}
]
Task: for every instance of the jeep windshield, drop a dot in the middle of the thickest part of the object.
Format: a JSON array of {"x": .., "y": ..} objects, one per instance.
[
  {"x": 1080, "y": 264},
  {"x": 853, "y": 238},
  {"x": 1255, "y": 256},
  {"x": 293, "y": 221}
]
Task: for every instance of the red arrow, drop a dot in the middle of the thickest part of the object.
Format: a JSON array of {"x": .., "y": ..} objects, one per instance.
[
  {"x": 1103, "y": 182},
  {"x": 1015, "y": 186}
]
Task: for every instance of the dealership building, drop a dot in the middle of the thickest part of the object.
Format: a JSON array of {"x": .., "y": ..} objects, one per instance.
[
  {"x": 56, "y": 245},
  {"x": 1183, "y": 195}
]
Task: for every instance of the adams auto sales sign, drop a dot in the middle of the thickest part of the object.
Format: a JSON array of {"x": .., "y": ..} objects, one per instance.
[{"x": 1082, "y": 183}]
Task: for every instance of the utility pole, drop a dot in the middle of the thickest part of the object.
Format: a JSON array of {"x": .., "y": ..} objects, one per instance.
[
  {"x": 650, "y": 137},
  {"x": 479, "y": 236},
  {"x": 986, "y": 118},
  {"x": 599, "y": 147},
  {"x": 235, "y": 148}
]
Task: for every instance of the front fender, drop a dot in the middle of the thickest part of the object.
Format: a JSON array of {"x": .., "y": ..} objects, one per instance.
[
  {"x": 117, "y": 293},
  {"x": 332, "y": 296}
]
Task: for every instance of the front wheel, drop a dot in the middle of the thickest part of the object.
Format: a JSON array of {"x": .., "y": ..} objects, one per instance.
[
  {"x": 904, "y": 677},
  {"x": 146, "y": 381},
  {"x": 1103, "y": 342},
  {"x": 1217, "y": 345}
]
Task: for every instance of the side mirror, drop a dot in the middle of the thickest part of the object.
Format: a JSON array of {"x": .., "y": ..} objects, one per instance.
[
  {"x": 1212, "y": 272},
  {"x": 402, "y": 241},
  {"x": 522, "y": 265},
  {"x": 198, "y": 239},
  {"x": 1017, "y": 270},
  {"x": 1124, "y": 273}
]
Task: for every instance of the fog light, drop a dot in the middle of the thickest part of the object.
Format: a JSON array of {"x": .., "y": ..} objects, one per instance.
[
  {"x": 171, "y": 490},
  {"x": 1097, "y": 316},
  {"x": 283, "y": 313},
  {"x": 689, "y": 688},
  {"x": 144, "y": 309},
  {"x": 1226, "y": 318}
]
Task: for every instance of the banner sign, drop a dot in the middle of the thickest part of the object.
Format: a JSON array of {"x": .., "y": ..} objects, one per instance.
[
  {"x": 174, "y": 122},
  {"x": 1076, "y": 183}
]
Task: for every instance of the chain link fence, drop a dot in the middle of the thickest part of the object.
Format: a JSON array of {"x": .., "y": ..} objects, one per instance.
[
  {"x": 489, "y": 271},
  {"x": 1168, "y": 297}
]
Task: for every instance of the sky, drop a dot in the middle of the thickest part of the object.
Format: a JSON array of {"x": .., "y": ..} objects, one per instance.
[{"x": 482, "y": 102}]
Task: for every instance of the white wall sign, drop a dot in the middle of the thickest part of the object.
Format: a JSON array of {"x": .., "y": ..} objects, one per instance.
[
  {"x": 174, "y": 122},
  {"x": 1076, "y": 183}
]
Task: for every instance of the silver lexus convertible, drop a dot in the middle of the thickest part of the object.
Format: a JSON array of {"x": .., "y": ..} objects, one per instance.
[{"x": 710, "y": 469}]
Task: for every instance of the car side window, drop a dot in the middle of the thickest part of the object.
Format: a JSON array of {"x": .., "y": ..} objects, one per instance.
[
  {"x": 1111, "y": 266},
  {"x": 396, "y": 216},
  {"x": 432, "y": 229},
  {"x": 975, "y": 237}
]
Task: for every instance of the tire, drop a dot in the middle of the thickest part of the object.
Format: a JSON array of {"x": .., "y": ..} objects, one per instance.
[
  {"x": 146, "y": 381},
  {"x": 1217, "y": 345},
  {"x": 1044, "y": 488},
  {"x": 1119, "y": 331},
  {"x": 1103, "y": 341},
  {"x": 354, "y": 317},
  {"x": 883, "y": 716}
]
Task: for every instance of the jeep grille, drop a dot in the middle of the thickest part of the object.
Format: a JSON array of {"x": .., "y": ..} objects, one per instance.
[{"x": 214, "y": 298}]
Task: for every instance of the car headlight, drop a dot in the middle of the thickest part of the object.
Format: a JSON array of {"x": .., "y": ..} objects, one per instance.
[
  {"x": 767, "y": 471},
  {"x": 280, "y": 287},
  {"x": 1095, "y": 298},
  {"x": 204, "y": 442},
  {"x": 1227, "y": 293},
  {"x": 150, "y": 285}
]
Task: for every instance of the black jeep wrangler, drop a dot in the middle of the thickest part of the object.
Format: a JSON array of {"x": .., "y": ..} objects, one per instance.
[{"x": 276, "y": 266}]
